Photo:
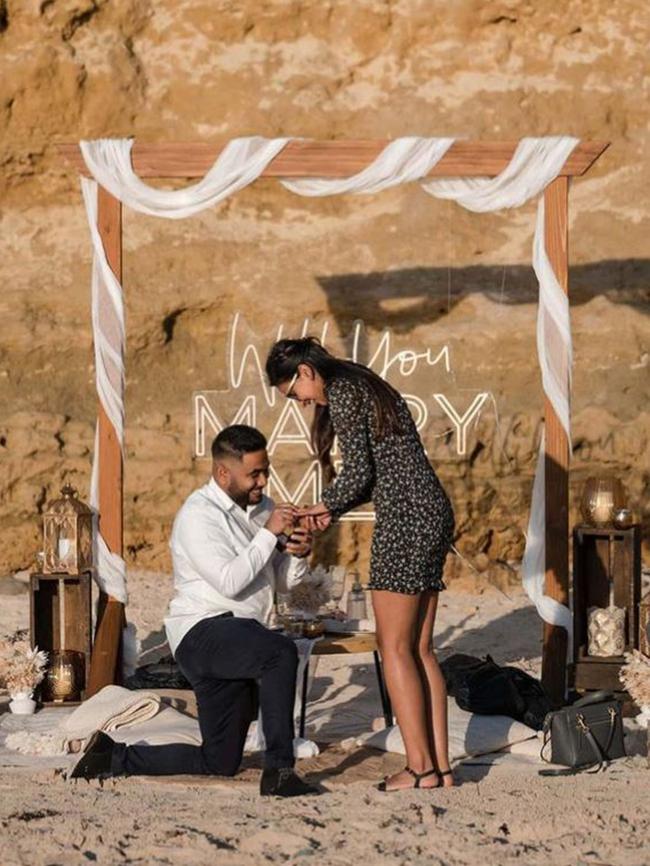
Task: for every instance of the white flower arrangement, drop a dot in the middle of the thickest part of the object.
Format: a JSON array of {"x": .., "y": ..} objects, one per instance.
[
  {"x": 21, "y": 667},
  {"x": 312, "y": 592},
  {"x": 635, "y": 676}
]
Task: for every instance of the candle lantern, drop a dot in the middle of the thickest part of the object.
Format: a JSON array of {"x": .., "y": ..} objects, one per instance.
[
  {"x": 65, "y": 677},
  {"x": 603, "y": 499},
  {"x": 60, "y": 598},
  {"x": 67, "y": 535},
  {"x": 606, "y": 603}
]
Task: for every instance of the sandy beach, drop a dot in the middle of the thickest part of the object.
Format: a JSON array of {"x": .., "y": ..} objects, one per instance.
[
  {"x": 500, "y": 816},
  {"x": 500, "y": 813}
]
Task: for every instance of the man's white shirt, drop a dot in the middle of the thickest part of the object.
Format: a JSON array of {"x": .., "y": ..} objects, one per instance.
[{"x": 225, "y": 560}]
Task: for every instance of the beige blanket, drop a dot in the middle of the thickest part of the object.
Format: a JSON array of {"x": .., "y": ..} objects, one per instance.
[{"x": 111, "y": 708}]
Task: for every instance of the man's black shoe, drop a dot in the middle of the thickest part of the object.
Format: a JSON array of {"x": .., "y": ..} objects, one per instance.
[
  {"x": 96, "y": 760},
  {"x": 284, "y": 782}
]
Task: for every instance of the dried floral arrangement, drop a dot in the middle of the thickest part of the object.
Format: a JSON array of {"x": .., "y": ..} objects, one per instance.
[
  {"x": 21, "y": 667},
  {"x": 635, "y": 676},
  {"x": 313, "y": 592}
]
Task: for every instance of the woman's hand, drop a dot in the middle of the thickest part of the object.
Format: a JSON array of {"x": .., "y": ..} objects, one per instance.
[{"x": 315, "y": 518}]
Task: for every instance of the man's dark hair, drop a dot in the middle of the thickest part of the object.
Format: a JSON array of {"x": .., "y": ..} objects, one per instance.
[{"x": 237, "y": 440}]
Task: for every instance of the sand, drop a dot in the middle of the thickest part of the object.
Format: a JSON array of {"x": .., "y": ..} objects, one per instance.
[{"x": 499, "y": 813}]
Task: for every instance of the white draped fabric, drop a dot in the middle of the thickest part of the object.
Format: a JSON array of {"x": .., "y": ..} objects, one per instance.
[
  {"x": 109, "y": 340},
  {"x": 240, "y": 163},
  {"x": 401, "y": 161},
  {"x": 536, "y": 162},
  {"x": 534, "y": 563}
]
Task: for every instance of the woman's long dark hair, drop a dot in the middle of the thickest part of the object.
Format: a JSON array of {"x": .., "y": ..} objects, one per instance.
[{"x": 282, "y": 365}]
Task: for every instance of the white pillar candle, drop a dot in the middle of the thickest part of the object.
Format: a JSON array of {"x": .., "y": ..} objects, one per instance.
[{"x": 606, "y": 631}]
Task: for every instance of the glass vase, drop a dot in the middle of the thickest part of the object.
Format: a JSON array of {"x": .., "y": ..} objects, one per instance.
[{"x": 601, "y": 499}]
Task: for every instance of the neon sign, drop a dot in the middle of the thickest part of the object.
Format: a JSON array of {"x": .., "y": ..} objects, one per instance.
[{"x": 295, "y": 472}]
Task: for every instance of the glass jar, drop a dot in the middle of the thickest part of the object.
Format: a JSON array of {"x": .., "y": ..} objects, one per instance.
[
  {"x": 356, "y": 601},
  {"x": 64, "y": 677},
  {"x": 601, "y": 499}
]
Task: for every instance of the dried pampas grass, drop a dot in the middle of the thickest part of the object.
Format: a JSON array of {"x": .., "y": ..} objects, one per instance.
[
  {"x": 312, "y": 592},
  {"x": 635, "y": 676},
  {"x": 21, "y": 667}
]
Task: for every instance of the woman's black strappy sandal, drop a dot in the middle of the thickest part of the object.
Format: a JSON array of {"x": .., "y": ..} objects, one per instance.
[{"x": 418, "y": 778}]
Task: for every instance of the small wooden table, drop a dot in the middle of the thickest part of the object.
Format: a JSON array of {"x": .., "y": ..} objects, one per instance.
[{"x": 337, "y": 644}]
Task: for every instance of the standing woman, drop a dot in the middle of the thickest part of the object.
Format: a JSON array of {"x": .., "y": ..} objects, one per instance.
[{"x": 384, "y": 462}]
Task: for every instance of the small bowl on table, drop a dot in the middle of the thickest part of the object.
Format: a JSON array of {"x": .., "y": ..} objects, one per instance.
[
  {"x": 292, "y": 625},
  {"x": 313, "y": 628}
]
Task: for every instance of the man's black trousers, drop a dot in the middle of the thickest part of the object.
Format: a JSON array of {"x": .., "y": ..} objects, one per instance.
[{"x": 231, "y": 664}]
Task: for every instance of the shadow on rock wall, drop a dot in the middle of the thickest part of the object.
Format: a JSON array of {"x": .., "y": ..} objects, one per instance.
[{"x": 434, "y": 292}]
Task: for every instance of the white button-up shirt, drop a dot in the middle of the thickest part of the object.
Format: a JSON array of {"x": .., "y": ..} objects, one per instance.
[{"x": 225, "y": 560}]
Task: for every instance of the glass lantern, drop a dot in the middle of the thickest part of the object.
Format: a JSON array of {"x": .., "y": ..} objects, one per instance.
[
  {"x": 602, "y": 499},
  {"x": 64, "y": 677},
  {"x": 67, "y": 535}
]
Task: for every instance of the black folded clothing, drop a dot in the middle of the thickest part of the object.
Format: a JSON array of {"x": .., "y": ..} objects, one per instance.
[
  {"x": 482, "y": 686},
  {"x": 163, "y": 674}
]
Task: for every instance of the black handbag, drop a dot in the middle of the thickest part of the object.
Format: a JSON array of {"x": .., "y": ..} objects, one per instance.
[{"x": 585, "y": 736}]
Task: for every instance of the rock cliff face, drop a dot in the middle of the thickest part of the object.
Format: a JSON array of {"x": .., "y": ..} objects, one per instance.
[{"x": 433, "y": 274}]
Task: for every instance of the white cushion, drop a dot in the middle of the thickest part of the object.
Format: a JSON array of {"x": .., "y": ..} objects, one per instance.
[{"x": 469, "y": 734}]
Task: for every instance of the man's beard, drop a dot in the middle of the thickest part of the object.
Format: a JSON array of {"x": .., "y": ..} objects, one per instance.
[{"x": 244, "y": 498}]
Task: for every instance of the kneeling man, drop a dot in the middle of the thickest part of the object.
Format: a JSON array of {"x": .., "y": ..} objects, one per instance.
[{"x": 227, "y": 563}]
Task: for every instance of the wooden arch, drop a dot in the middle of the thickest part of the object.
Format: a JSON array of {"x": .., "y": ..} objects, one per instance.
[{"x": 300, "y": 159}]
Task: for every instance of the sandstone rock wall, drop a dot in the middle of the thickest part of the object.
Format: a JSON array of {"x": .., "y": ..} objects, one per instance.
[{"x": 431, "y": 272}]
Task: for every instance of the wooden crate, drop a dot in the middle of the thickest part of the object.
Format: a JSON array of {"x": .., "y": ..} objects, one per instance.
[
  {"x": 45, "y": 613},
  {"x": 602, "y": 556}
]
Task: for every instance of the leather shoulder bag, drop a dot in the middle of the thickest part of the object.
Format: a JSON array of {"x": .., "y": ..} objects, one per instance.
[{"x": 585, "y": 736}]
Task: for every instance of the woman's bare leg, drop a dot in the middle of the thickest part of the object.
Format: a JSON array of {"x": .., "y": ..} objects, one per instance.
[
  {"x": 434, "y": 685},
  {"x": 396, "y": 617}
]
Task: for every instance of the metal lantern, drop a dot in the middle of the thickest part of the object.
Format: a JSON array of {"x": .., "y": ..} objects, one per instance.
[{"x": 67, "y": 535}]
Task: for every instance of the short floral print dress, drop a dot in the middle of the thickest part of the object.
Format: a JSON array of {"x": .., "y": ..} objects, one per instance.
[{"x": 414, "y": 520}]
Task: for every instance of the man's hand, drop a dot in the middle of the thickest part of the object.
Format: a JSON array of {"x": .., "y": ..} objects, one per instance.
[
  {"x": 300, "y": 542},
  {"x": 282, "y": 519}
]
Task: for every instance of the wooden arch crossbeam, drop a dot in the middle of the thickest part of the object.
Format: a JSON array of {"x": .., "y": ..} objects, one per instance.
[{"x": 310, "y": 158}]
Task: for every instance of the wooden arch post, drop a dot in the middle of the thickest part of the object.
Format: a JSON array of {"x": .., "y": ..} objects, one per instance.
[
  {"x": 303, "y": 159},
  {"x": 556, "y": 460},
  {"x": 105, "y": 665}
]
